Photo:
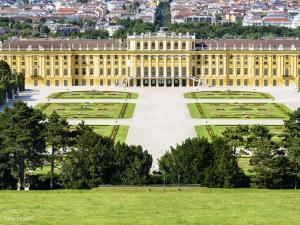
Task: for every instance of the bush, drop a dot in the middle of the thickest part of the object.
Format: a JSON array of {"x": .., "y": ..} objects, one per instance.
[{"x": 42, "y": 181}]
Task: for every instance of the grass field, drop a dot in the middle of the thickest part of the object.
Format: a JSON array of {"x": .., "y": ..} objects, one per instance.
[
  {"x": 93, "y": 95},
  {"x": 238, "y": 110},
  {"x": 228, "y": 95},
  {"x": 210, "y": 130},
  {"x": 89, "y": 110},
  {"x": 140, "y": 206},
  {"x": 245, "y": 165}
]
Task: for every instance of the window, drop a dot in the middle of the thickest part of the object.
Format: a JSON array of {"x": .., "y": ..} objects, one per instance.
[
  {"x": 56, "y": 83},
  {"x": 56, "y": 72},
  {"x": 265, "y": 83},
  {"x": 138, "y": 71},
  {"x": 146, "y": 45},
  {"x": 183, "y": 45},
  {"x": 138, "y": 45},
  {"x": 274, "y": 83},
  {"x": 246, "y": 82},
  {"x": 83, "y": 71},
  {"x": 35, "y": 72},
  {"x": 221, "y": 82},
  {"x": 183, "y": 72},
  {"x": 83, "y": 82},
  {"x": 168, "y": 45},
  {"x": 91, "y": 71},
  {"x": 161, "y": 71},
  {"x": 161, "y": 45},
  {"x": 153, "y": 45},
  {"x": 153, "y": 71},
  {"x": 101, "y": 71},
  {"x": 91, "y": 82},
  {"x": 47, "y": 82},
  {"x": 65, "y": 72},
  {"x": 274, "y": 72},
  {"x": 146, "y": 72},
  {"x": 176, "y": 45},
  {"x": 76, "y": 71},
  {"x": 101, "y": 82},
  {"x": 169, "y": 71},
  {"x": 286, "y": 72},
  {"x": 65, "y": 83},
  {"x": 176, "y": 71},
  {"x": 265, "y": 72},
  {"x": 108, "y": 71}
]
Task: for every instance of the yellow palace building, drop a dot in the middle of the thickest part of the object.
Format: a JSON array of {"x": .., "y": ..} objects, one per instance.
[{"x": 155, "y": 60}]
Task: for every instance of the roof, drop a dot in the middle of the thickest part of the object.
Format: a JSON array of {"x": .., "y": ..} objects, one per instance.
[
  {"x": 49, "y": 44},
  {"x": 274, "y": 44}
]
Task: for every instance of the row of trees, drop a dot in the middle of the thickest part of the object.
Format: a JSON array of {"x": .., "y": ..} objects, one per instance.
[
  {"x": 10, "y": 83},
  {"x": 275, "y": 162},
  {"x": 29, "y": 140}
]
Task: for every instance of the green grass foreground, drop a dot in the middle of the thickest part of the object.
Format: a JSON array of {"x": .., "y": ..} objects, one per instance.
[
  {"x": 89, "y": 110},
  {"x": 238, "y": 110},
  {"x": 228, "y": 95},
  {"x": 140, "y": 206},
  {"x": 93, "y": 95}
]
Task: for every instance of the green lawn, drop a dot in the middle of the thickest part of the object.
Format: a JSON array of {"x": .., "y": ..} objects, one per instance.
[
  {"x": 228, "y": 95},
  {"x": 238, "y": 110},
  {"x": 106, "y": 130},
  {"x": 139, "y": 206},
  {"x": 93, "y": 95},
  {"x": 89, "y": 110},
  {"x": 245, "y": 165},
  {"x": 207, "y": 131}
]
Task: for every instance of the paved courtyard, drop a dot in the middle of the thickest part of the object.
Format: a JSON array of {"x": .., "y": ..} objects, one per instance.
[{"x": 161, "y": 118}]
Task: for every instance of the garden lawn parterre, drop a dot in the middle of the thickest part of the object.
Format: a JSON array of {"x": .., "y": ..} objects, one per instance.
[
  {"x": 94, "y": 95},
  {"x": 238, "y": 110},
  {"x": 244, "y": 163},
  {"x": 228, "y": 95},
  {"x": 210, "y": 130},
  {"x": 107, "y": 206},
  {"x": 89, "y": 110},
  {"x": 108, "y": 131}
]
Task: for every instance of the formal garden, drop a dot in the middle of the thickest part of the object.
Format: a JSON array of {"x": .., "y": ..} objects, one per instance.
[
  {"x": 209, "y": 131},
  {"x": 118, "y": 133},
  {"x": 94, "y": 94},
  {"x": 89, "y": 110},
  {"x": 238, "y": 110},
  {"x": 227, "y": 95}
]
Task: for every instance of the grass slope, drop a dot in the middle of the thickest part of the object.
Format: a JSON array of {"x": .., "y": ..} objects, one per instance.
[
  {"x": 139, "y": 206},
  {"x": 228, "y": 95},
  {"x": 93, "y": 95}
]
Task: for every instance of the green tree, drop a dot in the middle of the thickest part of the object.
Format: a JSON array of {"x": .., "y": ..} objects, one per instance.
[
  {"x": 188, "y": 160},
  {"x": 58, "y": 135},
  {"x": 291, "y": 141},
  {"x": 90, "y": 162},
  {"x": 132, "y": 165},
  {"x": 22, "y": 129}
]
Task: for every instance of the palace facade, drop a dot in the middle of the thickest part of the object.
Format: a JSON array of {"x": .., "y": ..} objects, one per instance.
[{"x": 154, "y": 60}]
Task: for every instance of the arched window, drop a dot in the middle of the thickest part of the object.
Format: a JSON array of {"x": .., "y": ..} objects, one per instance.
[
  {"x": 176, "y": 71},
  {"x": 145, "y": 45},
  {"x": 161, "y": 45},
  {"x": 153, "y": 71},
  {"x": 138, "y": 71},
  {"x": 146, "y": 71},
  {"x": 183, "y": 71},
  {"x": 286, "y": 72},
  {"x": 183, "y": 45},
  {"x": 168, "y": 45},
  {"x": 153, "y": 45},
  {"x": 161, "y": 71},
  {"x": 176, "y": 45},
  {"x": 138, "y": 45},
  {"x": 169, "y": 71}
]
